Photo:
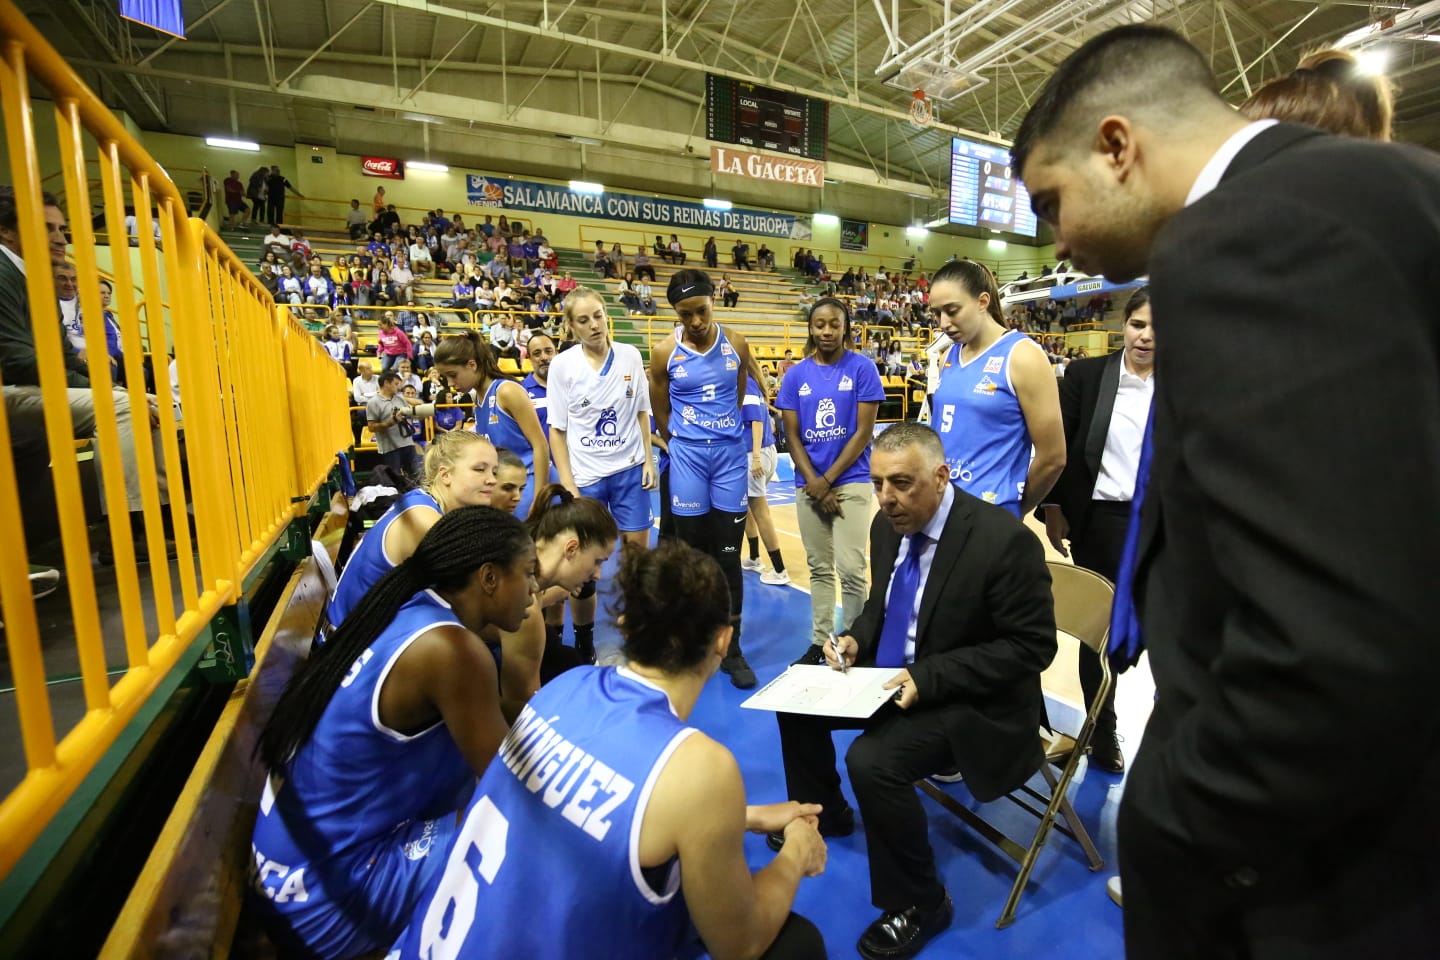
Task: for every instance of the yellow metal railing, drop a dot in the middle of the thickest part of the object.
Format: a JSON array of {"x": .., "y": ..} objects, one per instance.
[{"x": 264, "y": 413}]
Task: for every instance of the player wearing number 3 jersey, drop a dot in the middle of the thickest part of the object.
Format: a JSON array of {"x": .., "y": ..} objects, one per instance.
[{"x": 607, "y": 824}]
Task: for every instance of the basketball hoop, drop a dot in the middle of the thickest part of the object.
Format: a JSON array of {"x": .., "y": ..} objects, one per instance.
[{"x": 920, "y": 111}]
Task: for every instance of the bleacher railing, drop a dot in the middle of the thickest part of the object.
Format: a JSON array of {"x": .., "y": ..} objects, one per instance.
[{"x": 263, "y": 416}]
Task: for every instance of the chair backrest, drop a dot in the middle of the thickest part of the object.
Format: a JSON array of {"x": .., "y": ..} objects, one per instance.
[{"x": 1082, "y": 603}]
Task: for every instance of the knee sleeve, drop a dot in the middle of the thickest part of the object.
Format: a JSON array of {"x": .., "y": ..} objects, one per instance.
[
  {"x": 695, "y": 531},
  {"x": 727, "y": 534}
]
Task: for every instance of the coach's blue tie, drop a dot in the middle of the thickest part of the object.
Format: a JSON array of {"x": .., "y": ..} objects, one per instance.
[
  {"x": 903, "y": 587},
  {"x": 1126, "y": 643}
]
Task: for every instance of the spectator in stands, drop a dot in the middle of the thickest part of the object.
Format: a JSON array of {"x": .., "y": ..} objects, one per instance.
[
  {"x": 404, "y": 280},
  {"x": 67, "y": 291},
  {"x": 765, "y": 257},
  {"x": 234, "y": 199},
  {"x": 740, "y": 253},
  {"x": 277, "y": 243},
  {"x": 269, "y": 280},
  {"x": 421, "y": 262},
  {"x": 617, "y": 258},
  {"x": 318, "y": 287},
  {"x": 726, "y": 290},
  {"x": 275, "y": 187},
  {"x": 602, "y": 263},
  {"x": 20, "y": 375},
  {"x": 847, "y": 282},
  {"x": 255, "y": 193},
  {"x": 712, "y": 254},
  {"x": 643, "y": 267},
  {"x": 488, "y": 227},
  {"x": 625, "y": 289},
  {"x": 463, "y": 292},
  {"x": 647, "y": 298},
  {"x": 113, "y": 346},
  {"x": 424, "y": 325},
  {"x": 565, "y": 284},
  {"x": 355, "y": 221},
  {"x": 800, "y": 260},
  {"x": 548, "y": 258},
  {"x": 787, "y": 361},
  {"x": 503, "y": 229},
  {"x": 338, "y": 348},
  {"x": 290, "y": 290},
  {"x": 405, "y": 372},
  {"x": 502, "y": 339},
  {"x": 498, "y": 268},
  {"x": 386, "y": 293},
  {"x": 676, "y": 253},
  {"x": 393, "y": 344},
  {"x": 505, "y": 296},
  {"x": 377, "y": 205}
]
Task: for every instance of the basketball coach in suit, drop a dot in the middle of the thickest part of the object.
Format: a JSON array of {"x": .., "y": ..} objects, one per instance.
[
  {"x": 960, "y": 605},
  {"x": 1281, "y": 804},
  {"x": 1105, "y": 405}
]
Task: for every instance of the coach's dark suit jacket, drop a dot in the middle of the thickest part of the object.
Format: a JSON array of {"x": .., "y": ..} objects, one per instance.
[
  {"x": 1283, "y": 803},
  {"x": 985, "y": 631},
  {"x": 1087, "y": 399}
]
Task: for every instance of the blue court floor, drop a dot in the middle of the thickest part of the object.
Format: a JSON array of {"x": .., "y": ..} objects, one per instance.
[{"x": 1065, "y": 912}]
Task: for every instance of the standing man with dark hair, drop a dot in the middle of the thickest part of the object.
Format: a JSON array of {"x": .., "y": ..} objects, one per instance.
[
  {"x": 960, "y": 608},
  {"x": 388, "y": 416},
  {"x": 275, "y": 187},
  {"x": 1289, "y": 617},
  {"x": 1105, "y": 403}
]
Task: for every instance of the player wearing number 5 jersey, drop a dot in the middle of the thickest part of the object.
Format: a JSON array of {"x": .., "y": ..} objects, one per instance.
[
  {"x": 997, "y": 395},
  {"x": 607, "y": 825},
  {"x": 378, "y": 738},
  {"x": 697, "y": 380}
]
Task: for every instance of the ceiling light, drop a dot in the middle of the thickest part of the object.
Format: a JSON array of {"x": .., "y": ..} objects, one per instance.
[
  {"x": 826, "y": 219},
  {"x": 916, "y": 232},
  {"x": 584, "y": 186},
  {"x": 714, "y": 204},
  {"x": 426, "y": 165},
  {"x": 1373, "y": 61},
  {"x": 996, "y": 244},
  {"x": 232, "y": 144}
]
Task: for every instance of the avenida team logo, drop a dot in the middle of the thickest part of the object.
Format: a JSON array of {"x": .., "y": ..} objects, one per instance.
[
  {"x": 825, "y": 414},
  {"x": 687, "y": 412},
  {"x": 606, "y": 426}
]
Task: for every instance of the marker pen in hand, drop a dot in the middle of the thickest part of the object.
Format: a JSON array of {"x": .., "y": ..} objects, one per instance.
[{"x": 835, "y": 645}]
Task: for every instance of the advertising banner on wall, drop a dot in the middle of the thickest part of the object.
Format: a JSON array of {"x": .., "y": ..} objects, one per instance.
[
  {"x": 854, "y": 235},
  {"x": 388, "y": 167},
  {"x": 758, "y": 166},
  {"x": 533, "y": 197}
]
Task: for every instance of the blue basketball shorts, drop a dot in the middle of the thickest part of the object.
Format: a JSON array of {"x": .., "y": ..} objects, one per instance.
[{"x": 707, "y": 476}]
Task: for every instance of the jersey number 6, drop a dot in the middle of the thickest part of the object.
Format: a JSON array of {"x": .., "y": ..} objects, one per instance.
[{"x": 478, "y": 852}]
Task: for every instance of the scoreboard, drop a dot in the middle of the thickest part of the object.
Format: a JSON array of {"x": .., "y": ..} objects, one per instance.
[
  {"x": 984, "y": 190},
  {"x": 765, "y": 119}
]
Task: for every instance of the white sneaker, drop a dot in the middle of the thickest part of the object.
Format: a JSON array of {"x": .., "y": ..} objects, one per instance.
[
  {"x": 756, "y": 564},
  {"x": 43, "y": 580},
  {"x": 778, "y": 579},
  {"x": 1112, "y": 887}
]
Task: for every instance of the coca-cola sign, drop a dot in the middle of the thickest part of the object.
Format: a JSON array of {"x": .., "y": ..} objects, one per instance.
[{"x": 387, "y": 167}]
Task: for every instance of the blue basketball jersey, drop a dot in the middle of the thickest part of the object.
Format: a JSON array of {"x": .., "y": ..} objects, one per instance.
[
  {"x": 756, "y": 410},
  {"x": 703, "y": 387},
  {"x": 545, "y": 864},
  {"x": 538, "y": 396},
  {"x": 493, "y": 422},
  {"x": 335, "y": 858},
  {"x": 978, "y": 417},
  {"x": 368, "y": 563}
]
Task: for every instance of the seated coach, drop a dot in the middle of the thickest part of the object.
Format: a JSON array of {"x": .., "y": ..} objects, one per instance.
[{"x": 960, "y": 607}]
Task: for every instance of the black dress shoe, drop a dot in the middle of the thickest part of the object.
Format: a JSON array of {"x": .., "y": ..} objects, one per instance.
[
  {"x": 841, "y": 824},
  {"x": 738, "y": 668},
  {"x": 813, "y": 657},
  {"x": 898, "y": 935},
  {"x": 1105, "y": 752}
]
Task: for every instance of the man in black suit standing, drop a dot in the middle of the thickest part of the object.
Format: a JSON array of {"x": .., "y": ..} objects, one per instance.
[
  {"x": 960, "y": 605},
  {"x": 1282, "y": 801},
  {"x": 1105, "y": 403}
]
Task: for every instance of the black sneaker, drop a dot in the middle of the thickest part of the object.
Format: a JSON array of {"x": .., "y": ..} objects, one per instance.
[
  {"x": 1105, "y": 752},
  {"x": 585, "y": 650},
  {"x": 739, "y": 670},
  {"x": 813, "y": 657}
]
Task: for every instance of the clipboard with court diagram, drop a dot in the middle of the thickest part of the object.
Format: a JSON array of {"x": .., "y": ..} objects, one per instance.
[{"x": 823, "y": 692}]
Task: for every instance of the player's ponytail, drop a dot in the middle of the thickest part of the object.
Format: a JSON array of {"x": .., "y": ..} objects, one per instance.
[
  {"x": 460, "y": 542},
  {"x": 672, "y": 601},
  {"x": 468, "y": 346},
  {"x": 556, "y": 511}
]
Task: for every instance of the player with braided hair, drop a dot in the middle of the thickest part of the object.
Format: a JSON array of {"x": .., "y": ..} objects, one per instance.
[
  {"x": 378, "y": 737},
  {"x": 607, "y": 825}
]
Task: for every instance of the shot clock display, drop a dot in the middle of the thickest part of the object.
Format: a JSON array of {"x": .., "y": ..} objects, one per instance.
[{"x": 985, "y": 191}]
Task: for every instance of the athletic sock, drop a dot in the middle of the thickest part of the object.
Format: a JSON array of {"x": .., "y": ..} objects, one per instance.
[
  {"x": 777, "y": 561},
  {"x": 554, "y": 633},
  {"x": 754, "y": 548},
  {"x": 585, "y": 641}
]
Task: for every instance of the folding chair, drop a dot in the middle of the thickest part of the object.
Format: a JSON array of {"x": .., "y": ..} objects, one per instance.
[{"x": 1082, "y": 609}]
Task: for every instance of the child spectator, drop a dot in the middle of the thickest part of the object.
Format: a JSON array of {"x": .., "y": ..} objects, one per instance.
[
  {"x": 394, "y": 345},
  {"x": 338, "y": 348}
]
